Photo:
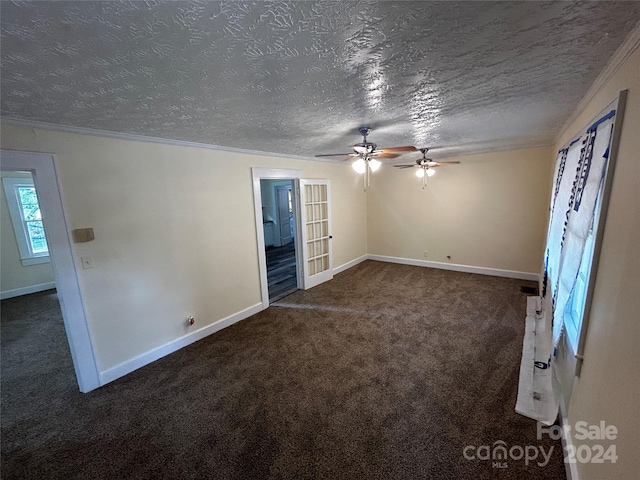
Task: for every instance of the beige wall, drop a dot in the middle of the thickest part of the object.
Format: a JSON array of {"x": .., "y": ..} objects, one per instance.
[
  {"x": 166, "y": 218},
  {"x": 14, "y": 275},
  {"x": 488, "y": 211},
  {"x": 174, "y": 232},
  {"x": 609, "y": 386}
]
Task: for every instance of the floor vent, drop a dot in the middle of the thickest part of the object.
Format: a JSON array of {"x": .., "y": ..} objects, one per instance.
[{"x": 529, "y": 290}]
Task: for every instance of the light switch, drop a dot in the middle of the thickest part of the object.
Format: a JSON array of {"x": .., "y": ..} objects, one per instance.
[{"x": 87, "y": 262}]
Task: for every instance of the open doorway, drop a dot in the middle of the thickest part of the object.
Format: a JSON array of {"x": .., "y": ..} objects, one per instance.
[
  {"x": 278, "y": 218},
  {"x": 41, "y": 169},
  {"x": 310, "y": 202},
  {"x": 34, "y": 345}
]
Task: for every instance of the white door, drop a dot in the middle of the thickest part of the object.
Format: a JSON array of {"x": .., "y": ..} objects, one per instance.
[
  {"x": 283, "y": 202},
  {"x": 315, "y": 215}
]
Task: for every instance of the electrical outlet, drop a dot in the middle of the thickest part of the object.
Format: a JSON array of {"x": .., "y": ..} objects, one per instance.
[{"x": 426, "y": 254}]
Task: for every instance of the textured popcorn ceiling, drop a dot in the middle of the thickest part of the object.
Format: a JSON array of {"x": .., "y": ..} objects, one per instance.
[{"x": 299, "y": 77}]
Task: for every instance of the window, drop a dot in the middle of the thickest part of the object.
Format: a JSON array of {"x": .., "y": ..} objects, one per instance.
[
  {"x": 575, "y": 306},
  {"x": 26, "y": 218}
]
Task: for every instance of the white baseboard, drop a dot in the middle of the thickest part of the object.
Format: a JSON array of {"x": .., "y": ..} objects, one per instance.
[
  {"x": 129, "y": 366},
  {"x": 350, "y": 264},
  {"x": 496, "y": 272},
  {"x": 135, "y": 363},
  {"x": 41, "y": 287},
  {"x": 571, "y": 469}
]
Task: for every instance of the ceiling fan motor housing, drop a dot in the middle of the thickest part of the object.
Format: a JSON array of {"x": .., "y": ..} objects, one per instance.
[{"x": 364, "y": 147}]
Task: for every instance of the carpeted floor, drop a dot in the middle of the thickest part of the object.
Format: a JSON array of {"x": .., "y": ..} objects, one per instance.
[{"x": 386, "y": 372}]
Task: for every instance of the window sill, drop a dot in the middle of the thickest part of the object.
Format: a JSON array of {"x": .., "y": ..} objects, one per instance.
[{"x": 26, "y": 262}]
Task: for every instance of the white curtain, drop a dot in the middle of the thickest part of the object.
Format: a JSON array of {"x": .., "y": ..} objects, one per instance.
[
  {"x": 578, "y": 181},
  {"x": 587, "y": 186}
]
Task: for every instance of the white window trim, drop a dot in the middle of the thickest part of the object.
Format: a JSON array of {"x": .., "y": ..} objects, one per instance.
[{"x": 26, "y": 256}]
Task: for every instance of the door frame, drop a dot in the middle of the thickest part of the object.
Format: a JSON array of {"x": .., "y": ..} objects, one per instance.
[
  {"x": 43, "y": 167},
  {"x": 269, "y": 174}
]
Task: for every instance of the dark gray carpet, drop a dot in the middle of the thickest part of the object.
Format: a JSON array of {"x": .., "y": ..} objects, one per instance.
[{"x": 386, "y": 372}]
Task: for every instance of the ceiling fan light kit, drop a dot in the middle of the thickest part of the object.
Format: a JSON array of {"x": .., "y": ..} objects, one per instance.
[
  {"x": 374, "y": 164},
  {"x": 429, "y": 172},
  {"x": 425, "y": 166},
  {"x": 364, "y": 165},
  {"x": 359, "y": 165}
]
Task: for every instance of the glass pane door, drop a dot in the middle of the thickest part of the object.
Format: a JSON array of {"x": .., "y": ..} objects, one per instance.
[{"x": 315, "y": 210}]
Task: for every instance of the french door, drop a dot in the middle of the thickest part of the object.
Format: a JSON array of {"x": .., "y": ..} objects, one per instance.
[{"x": 315, "y": 215}]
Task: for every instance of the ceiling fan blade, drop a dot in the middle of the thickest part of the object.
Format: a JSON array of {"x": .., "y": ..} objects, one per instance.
[
  {"x": 447, "y": 163},
  {"x": 380, "y": 154},
  {"x": 334, "y": 155},
  {"x": 404, "y": 166},
  {"x": 408, "y": 148}
]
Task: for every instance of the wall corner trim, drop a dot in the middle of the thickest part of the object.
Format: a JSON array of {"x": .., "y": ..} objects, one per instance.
[
  {"x": 348, "y": 265},
  {"x": 496, "y": 272},
  {"x": 140, "y": 361}
]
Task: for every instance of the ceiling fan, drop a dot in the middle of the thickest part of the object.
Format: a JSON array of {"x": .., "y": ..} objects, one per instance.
[
  {"x": 425, "y": 166},
  {"x": 367, "y": 153}
]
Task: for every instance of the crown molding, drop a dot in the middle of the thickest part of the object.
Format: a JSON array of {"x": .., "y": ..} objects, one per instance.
[
  {"x": 630, "y": 44},
  {"x": 16, "y": 122},
  {"x": 32, "y": 124}
]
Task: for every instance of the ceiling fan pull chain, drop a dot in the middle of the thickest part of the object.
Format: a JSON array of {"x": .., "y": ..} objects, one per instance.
[{"x": 366, "y": 176}]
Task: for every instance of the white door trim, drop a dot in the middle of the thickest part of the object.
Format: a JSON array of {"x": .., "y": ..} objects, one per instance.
[
  {"x": 45, "y": 176},
  {"x": 260, "y": 174}
]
